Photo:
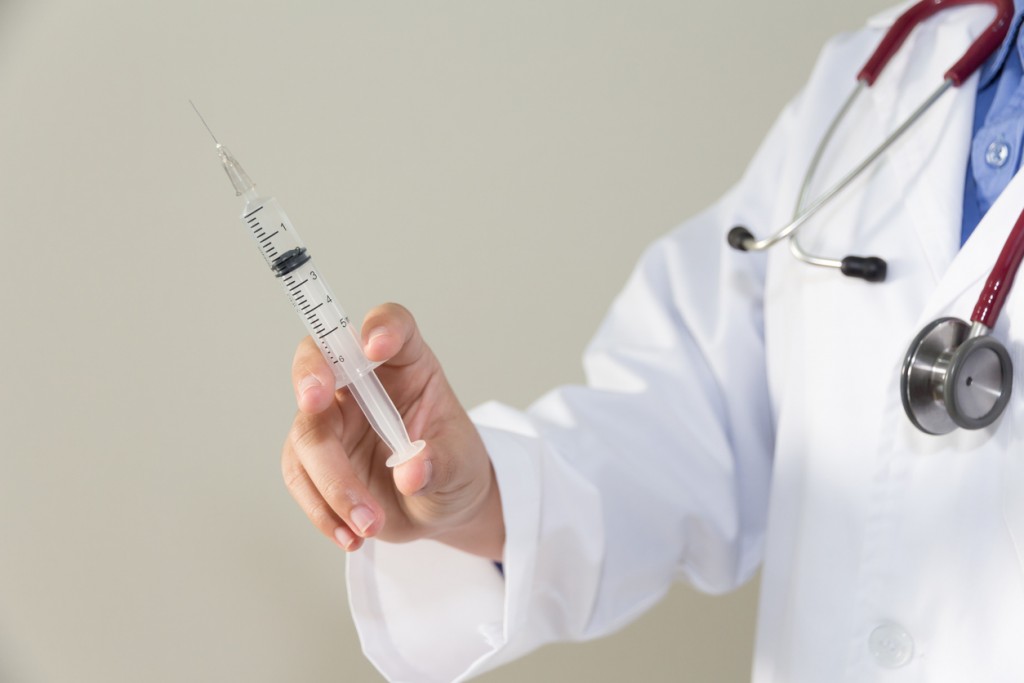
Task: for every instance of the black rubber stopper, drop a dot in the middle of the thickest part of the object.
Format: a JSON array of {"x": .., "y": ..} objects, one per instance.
[{"x": 289, "y": 261}]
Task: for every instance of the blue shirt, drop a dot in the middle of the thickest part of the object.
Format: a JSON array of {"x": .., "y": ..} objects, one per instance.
[{"x": 998, "y": 127}]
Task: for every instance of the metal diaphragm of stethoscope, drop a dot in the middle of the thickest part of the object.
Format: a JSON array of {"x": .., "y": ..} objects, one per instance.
[{"x": 954, "y": 374}]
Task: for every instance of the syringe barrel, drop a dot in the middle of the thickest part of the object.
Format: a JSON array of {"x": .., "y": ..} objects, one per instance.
[
  {"x": 327, "y": 323},
  {"x": 270, "y": 227},
  {"x": 325, "y": 320}
]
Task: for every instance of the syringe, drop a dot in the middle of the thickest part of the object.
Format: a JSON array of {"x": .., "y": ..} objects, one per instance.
[{"x": 318, "y": 308}]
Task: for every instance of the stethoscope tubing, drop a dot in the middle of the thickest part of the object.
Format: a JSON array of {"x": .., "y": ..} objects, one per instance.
[
  {"x": 997, "y": 286},
  {"x": 984, "y": 46},
  {"x": 826, "y": 196},
  {"x": 953, "y": 374}
]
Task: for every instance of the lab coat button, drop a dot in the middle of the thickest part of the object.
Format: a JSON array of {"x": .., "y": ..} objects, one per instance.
[
  {"x": 891, "y": 645},
  {"x": 997, "y": 154}
]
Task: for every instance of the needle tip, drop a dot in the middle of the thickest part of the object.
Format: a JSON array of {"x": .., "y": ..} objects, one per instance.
[{"x": 205, "y": 125}]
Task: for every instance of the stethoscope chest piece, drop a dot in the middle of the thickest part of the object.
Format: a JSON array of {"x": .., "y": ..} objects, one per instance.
[{"x": 951, "y": 379}]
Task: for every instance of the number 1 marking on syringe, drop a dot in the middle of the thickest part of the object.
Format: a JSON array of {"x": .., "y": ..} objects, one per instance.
[{"x": 263, "y": 239}]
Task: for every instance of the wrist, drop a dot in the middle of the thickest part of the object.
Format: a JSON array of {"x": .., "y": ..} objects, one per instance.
[{"x": 482, "y": 532}]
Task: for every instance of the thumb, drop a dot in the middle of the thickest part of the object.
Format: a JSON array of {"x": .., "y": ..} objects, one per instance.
[{"x": 413, "y": 477}]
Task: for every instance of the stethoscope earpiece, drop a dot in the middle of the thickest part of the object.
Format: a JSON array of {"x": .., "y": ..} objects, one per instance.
[
  {"x": 951, "y": 379},
  {"x": 870, "y": 268},
  {"x": 739, "y": 237}
]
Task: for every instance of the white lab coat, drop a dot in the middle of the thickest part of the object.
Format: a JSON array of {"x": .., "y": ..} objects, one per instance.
[{"x": 743, "y": 410}]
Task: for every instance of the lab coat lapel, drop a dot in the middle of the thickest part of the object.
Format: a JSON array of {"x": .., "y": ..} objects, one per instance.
[
  {"x": 974, "y": 262},
  {"x": 931, "y": 158}
]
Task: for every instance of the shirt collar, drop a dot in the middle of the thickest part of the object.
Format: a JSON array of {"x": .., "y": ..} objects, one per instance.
[{"x": 995, "y": 63}]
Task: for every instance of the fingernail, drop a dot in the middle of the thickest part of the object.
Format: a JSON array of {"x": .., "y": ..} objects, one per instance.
[
  {"x": 308, "y": 382},
  {"x": 374, "y": 333},
  {"x": 428, "y": 472},
  {"x": 344, "y": 537},
  {"x": 363, "y": 518}
]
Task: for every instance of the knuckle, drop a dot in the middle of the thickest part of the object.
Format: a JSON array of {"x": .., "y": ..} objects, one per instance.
[
  {"x": 291, "y": 471},
  {"x": 305, "y": 434},
  {"x": 321, "y": 517},
  {"x": 333, "y": 489}
]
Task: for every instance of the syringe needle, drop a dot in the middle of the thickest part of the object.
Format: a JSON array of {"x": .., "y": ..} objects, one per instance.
[
  {"x": 244, "y": 186},
  {"x": 205, "y": 125}
]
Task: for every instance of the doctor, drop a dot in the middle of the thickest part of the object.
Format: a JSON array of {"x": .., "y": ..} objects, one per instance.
[{"x": 742, "y": 411}]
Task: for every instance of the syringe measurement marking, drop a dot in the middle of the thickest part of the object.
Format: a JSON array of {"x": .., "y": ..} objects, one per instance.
[
  {"x": 314, "y": 321},
  {"x": 263, "y": 238},
  {"x": 257, "y": 209}
]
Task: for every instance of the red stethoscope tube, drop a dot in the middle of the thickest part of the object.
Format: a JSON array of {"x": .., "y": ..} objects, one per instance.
[
  {"x": 990, "y": 303},
  {"x": 984, "y": 46},
  {"x": 872, "y": 268}
]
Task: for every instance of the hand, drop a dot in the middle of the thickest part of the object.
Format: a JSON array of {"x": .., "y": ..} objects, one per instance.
[{"x": 333, "y": 461}]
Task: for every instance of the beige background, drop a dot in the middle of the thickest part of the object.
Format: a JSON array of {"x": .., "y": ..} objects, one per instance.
[{"x": 496, "y": 166}]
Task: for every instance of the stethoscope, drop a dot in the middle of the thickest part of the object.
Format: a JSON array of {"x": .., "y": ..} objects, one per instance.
[{"x": 954, "y": 374}]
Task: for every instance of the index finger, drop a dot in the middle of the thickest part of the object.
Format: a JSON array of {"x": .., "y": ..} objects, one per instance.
[
  {"x": 312, "y": 378},
  {"x": 390, "y": 334}
]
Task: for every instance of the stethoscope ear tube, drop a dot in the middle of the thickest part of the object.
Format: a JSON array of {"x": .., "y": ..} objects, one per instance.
[
  {"x": 868, "y": 268},
  {"x": 985, "y": 45},
  {"x": 872, "y": 269}
]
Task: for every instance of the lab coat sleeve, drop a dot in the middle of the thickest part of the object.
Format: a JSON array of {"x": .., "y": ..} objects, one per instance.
[{"x": 657, "y": 469}]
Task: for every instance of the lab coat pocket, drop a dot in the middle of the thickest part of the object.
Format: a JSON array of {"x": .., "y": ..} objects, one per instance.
[{"x": 1012, "y": 456}]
